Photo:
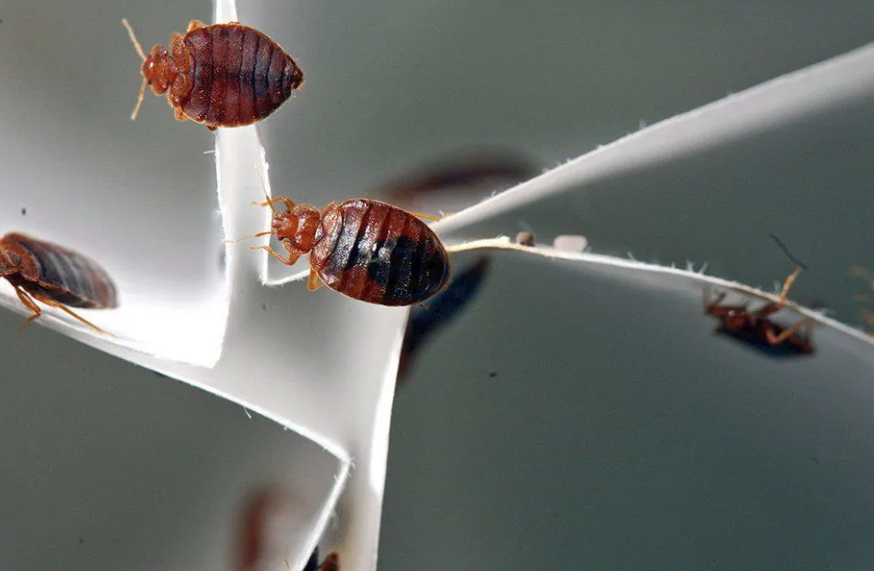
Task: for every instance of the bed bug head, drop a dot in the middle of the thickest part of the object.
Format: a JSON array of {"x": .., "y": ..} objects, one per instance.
[
  {"x": 10, "y": 262},
  {"x": 296, "y": 227},
  {"x": 158, "y": 69}
]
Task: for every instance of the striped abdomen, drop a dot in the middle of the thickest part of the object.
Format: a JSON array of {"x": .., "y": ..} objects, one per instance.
[
  {"x": 239, "y": 76},
  {"x": 61, "y": 274},
  {"x": 378, "y": 253}
]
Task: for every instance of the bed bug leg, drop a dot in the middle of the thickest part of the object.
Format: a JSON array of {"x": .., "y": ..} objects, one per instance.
[
  {"x": 292, "y": 258},
  {"x": 314, "y": 283},
  {"x": 270, "y": 202},
  {"x": 428, "y": 216},
  {"x": 778, "y": 339},
  {"x": 27, "y": 299},
  {"x": 52, "y": 303},
  {"x": 788, "y": 284},
  {"x": 778, "y": 305},
  {"x": 29, "y": 304}
]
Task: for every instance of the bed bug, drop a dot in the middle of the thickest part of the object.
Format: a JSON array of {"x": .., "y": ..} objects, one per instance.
[
  {"x": 758, "y": 330},
  {"x": 55, "y": 276},
  {"x": 221, "y": 75},
  {"x": 364, "y": 249}
]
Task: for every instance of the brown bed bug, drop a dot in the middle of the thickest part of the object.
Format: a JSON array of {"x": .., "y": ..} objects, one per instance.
[
  {"x": 758, "y": 330},
  {"x": 364, "y": 249},
  {"x": 56, "y": 276},
  {"x": 221, "y": 75}
]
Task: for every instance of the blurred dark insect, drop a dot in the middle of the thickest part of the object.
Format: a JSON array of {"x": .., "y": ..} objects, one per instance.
[
  {"x": 331, "y": 562},
  {"x": 467, "y": 173},
  {"x": 221, "y": 75},
  {"x": 425, "y": 322},
  {"x": 862, "y": 273},
  {"x": 756, "y": 329},
  {"x": 55, "y": 276},
  {"x": 258, "y": 520},
  {"x": 364, "y": 249}
]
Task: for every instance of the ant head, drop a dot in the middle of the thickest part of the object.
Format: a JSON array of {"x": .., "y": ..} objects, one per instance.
[
  {"x": 158, "y": 70},
  {"x": 296, "y": 228}
]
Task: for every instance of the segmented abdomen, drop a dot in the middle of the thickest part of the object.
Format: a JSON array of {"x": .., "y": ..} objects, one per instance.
[
  {"x": 240, "y": 75},
  {"x": 378, "y": 253},
  {"x": 64, "y": 275}
]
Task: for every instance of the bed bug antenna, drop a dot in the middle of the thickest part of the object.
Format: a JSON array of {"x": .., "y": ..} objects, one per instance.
[
  {"x": 267, "y": 199},
  {"x": 133, "y": 38},
  {"x": 786, "y": 251},
  {"x": 139, "y": 48}
]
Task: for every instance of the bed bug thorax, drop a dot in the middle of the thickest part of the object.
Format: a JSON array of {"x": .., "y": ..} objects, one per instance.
[{"x": 221, "y": 75}]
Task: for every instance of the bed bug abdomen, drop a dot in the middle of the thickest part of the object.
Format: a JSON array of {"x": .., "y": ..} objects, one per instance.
[
  {"x": 378, "y": 253},
  {"x": 240, "y": 75},
  {"x": 58, "y": 277},
  {"x": 64, "y": 275}
]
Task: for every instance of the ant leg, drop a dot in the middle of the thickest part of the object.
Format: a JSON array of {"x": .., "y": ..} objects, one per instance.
[
  {"x": 29, "y": 304},
  {"x": 54, "y": 303},
  {"x": 314, "y": 283},
  {"x": 330, "y": 563},
  {"x": 787, "y": 333},
  {"x": 292, "y": 258}
]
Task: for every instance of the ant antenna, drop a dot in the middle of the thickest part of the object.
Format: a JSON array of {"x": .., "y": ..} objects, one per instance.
[
  {"x": 786, "y": 251},
  {"x": 133, "y": 38}
]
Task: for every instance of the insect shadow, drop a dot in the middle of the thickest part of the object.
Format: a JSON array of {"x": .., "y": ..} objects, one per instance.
[{"x": 425, "y": 323}]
